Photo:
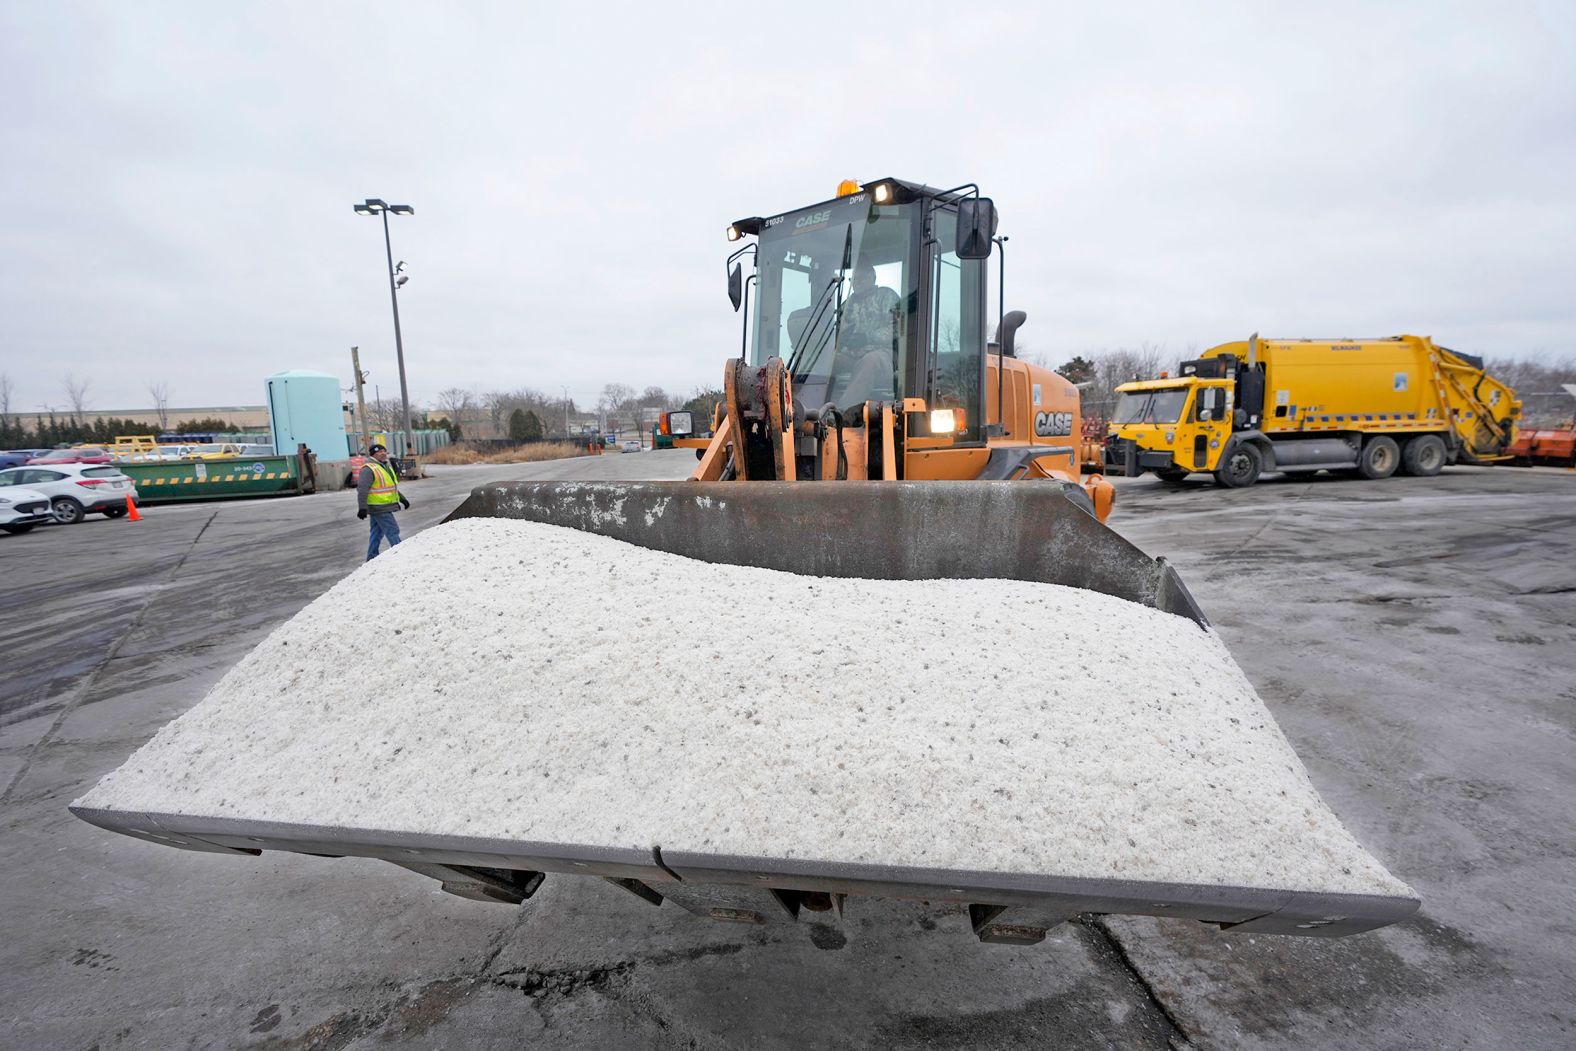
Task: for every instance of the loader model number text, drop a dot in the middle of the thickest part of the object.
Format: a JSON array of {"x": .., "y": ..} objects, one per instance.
[{"x": 1049, "y": 424}]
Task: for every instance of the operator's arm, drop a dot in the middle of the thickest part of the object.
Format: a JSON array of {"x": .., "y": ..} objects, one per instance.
[{"x": 363, "y": 487}]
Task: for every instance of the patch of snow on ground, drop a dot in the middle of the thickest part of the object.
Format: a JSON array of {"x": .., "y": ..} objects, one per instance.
[{"x": 551, "y": 685}]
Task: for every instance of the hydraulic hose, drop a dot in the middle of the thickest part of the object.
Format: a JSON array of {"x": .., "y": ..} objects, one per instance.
[{"x": 830, "y": 417}]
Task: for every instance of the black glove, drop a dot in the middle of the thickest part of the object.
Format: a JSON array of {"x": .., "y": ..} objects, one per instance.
[
  {"x": 361, "y": 513},
  {"x": 404, "y": 503}
]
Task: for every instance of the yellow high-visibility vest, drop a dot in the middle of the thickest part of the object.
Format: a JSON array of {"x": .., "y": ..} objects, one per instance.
[{"x": 385, "y": 487}]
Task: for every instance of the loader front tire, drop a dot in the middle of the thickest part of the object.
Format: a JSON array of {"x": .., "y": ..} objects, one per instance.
[
  {"x": 1379, "y": 458},
  {"x": 1240, "y": 467},
  {"x": 1423, "y": 456}
]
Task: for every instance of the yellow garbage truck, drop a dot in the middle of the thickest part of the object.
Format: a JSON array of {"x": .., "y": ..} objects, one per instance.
[{"x": 1372, "y": 406}]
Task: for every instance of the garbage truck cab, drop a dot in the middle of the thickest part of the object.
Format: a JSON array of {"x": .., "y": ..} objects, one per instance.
[
  {"x": 1170, "y": 426},
  {"x": 1373, "y": 406}
]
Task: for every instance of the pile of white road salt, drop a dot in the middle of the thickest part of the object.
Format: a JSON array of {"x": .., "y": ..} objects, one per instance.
[{"x": 509, "y": 679}]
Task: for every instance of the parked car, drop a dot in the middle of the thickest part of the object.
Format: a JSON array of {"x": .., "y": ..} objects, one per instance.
[
  {"x": 75, "y": 490},
  {"x": 21, "y": 509},
  {"x": 631, "y": 447},
  {"x": 215, "y": 451},
  {"x": 18, "y": 457},
  {"x": 81, "y": 454}
]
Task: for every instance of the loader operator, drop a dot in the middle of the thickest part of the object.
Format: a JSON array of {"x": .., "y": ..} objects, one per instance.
[
  {"x": 867, "y": 340},
  {"x": 378, "y": 499}
]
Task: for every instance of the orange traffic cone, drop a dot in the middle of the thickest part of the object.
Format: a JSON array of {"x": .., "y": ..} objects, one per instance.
[{"x": 131, "y": 510}]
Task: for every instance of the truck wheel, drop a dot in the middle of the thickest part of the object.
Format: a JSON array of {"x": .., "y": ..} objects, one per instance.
[
  {"x": 1379, "y": 459},
  {"x": 68, "y": 511},
  {"x": 1423, "y": 456},
  {"x": 1240, "y": 467}
]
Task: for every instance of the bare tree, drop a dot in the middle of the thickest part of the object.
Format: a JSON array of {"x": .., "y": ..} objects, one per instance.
[
  {"x": 6, "y": 392},
  {"x": 1539, "y": 383},
  {"x": 655, "y": 398},
  {"x": 458, "y": 405},
  {"x": 76, "y": 393},
  {"x": 614, "y": 395},
  {"x": 160, "y": 393},
  {"x": 1108, "y": 370},
  {"x": 386, "y": 415}
]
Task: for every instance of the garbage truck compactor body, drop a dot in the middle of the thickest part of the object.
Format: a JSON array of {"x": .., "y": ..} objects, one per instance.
[
  {"x": 1375, "y": 406},
  {"x": 867, "y": 368}
]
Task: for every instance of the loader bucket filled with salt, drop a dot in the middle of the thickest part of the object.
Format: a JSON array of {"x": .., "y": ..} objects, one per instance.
[{"x": 965, "y": 716}]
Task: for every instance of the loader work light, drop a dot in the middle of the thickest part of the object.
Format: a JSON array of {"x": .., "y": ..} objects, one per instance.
[
  {"x": 945, "y": 421},
  {"x": 741, "y": 228},
  {"x": 882, "y": 192}
]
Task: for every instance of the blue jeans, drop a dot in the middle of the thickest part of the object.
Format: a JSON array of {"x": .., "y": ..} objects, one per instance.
[{"x": 383, "y": 525}]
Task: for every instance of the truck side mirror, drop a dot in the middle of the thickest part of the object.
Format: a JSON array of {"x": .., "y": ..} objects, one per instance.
[
  {"x": 976, "y": 227},
  {"x": 736, "y": 286}
]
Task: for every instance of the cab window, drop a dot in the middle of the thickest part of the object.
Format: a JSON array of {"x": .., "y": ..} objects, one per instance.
[{"x": 1210, "y": 405}]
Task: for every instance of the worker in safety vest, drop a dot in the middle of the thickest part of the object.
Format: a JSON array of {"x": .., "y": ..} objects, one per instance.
[{"x": 378, "y": 499}]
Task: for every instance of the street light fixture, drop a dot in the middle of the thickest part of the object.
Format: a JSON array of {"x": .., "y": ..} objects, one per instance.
[{"x": 373, "y": 206}]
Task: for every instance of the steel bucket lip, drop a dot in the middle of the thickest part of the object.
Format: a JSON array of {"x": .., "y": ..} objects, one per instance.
[{"x": 1338, "y": 912}]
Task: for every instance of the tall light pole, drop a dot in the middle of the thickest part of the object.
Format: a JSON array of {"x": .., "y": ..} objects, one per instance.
[
  {"x": 373, "y": 206},
  {"x": 566, "y": 412}
]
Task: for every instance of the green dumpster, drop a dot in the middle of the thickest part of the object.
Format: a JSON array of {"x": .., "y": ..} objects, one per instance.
[{"x": 168, "y": 481}]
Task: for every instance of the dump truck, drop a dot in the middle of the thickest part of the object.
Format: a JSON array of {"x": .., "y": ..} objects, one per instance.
[
  {"x": 1370, "y": 406},
  {"x": 950, "y": 458}
]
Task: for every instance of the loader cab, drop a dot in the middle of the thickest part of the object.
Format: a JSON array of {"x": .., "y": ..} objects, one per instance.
[{"x": 866, "y": 298}]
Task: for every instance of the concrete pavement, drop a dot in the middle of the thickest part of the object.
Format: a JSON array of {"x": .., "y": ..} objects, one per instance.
[{"x": 1413, "y": 638}]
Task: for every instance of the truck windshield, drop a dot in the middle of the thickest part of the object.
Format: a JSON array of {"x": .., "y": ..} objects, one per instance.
[
  {"x": 837, "y": 289},
  {"x": 1151, "y": 406}
]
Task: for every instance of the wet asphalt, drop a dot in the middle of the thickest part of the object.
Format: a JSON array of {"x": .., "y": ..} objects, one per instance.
[{"x": 1413, "y": 638}]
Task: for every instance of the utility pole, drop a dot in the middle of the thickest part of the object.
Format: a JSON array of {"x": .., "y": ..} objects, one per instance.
[
  {"x": 361, "y": 395},
  {"x": 566, "y": 411}
]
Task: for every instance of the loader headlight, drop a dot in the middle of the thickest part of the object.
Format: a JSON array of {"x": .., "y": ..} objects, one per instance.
[
  {"x": 882, "y": 192},
  {"x": 945, "y": 421},
  {"x": 734, "y": 233}
]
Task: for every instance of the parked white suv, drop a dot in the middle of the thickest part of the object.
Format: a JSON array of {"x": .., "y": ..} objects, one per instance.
[
  {"x": 22, "y": 509},
  {"x": 75, "y": 490}
]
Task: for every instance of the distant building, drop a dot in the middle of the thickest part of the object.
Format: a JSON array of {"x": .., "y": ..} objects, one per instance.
[{"x": 243, "y": 417}]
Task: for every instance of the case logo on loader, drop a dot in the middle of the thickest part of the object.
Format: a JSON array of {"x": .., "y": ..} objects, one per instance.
[{"x": 1050, "y": 424}]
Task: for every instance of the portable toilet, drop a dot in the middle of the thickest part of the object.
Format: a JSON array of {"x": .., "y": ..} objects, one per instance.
[{"x": 304, "y": 408}]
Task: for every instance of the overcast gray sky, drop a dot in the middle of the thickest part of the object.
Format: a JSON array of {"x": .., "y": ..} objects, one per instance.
[{"x": 176, "y": 180}]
